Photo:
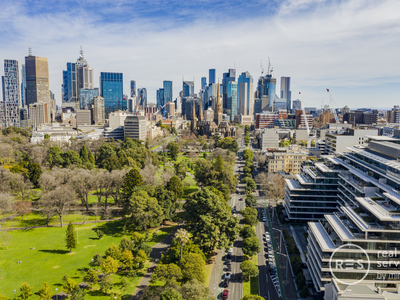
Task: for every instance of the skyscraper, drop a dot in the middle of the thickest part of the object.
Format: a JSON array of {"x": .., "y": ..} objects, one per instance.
[
  {"x": 218, "y": 108},
  {"x": 37, "y": 79},
  {"x": 133, "y": 88},
  {"x": 142, "y": 94},
  {"x": 188, "y": 89},
  {"x": 161, "y": 101},
  {"x": 167, "y": 86},
  {"x": 227, "y": 77},
  {"x": 111, "y": 89},
  {"x": 10, "y": 115},
  {"x": 203, "y": 83},
  {"x": 246, "y": 94},
  {"x": 211, "y": 76},
  {"x": 86, "y": 97},
  {"x": 232, "y": 99},
  {"x": 267, "y": 87},
  {"x": 285, "y": 91},
  {"x": 77, "y": 76},
  {"x": 23, "y": 86}
]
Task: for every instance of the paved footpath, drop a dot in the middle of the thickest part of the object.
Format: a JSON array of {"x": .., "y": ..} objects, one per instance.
[{"x": 156, "y": 252}]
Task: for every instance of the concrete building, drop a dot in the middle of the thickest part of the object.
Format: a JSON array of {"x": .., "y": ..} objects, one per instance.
[
  {"x": 285, "y": 123},
  {"x": 267, "y": 119},
  {"x": 10, "y": 107},
  {"x": 302, "y": 120},
  {"x": 286, "y": 162},
  {"x": 296, "y": 105},
  {"x": 171, "y": 109},
  {"x": 209, "y": 115},
  {"x": 38, "y": 114},
  {"x": 37, "y": 80},
  {"x": 135, "y": 127},
  {"x": 269, "y": 139},
  {"x": 83, "y": 117},
  {"x": 117, "y": 119},
  {"x": 313, "y": 192},
  {"x": 59, "y": 133},
  {"x": 244, "y": 120},
  {"x": 245, "y": 94},
  {"x": 338, "y": 141},
  {"x": 367, "y": 218},
  {"x": 98, "y": 112}
]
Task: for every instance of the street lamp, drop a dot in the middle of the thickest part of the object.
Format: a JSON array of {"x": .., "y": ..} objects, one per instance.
[
  {"x": 286, "y": 277},
  {"x": 280, "y": 243},
  {"x": 14, "y": 294},
  {"x": 56, "y": 293}
]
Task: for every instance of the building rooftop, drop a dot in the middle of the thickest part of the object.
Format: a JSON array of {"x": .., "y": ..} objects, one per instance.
[
  {"x": 380, "y": 209},
  {"x": 323, "y": 238},
  {"x": 341, "y": 230}
]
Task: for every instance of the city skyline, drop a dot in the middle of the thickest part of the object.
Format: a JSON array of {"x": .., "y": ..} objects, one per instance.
[{"x": 346, "y": 57}]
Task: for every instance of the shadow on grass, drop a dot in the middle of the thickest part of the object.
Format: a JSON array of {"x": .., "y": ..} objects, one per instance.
[
  {"x": 96, "y": 293},
  {"x": 126, "y": 297},
  {"x": 55, "y": 251},
  {"x": 114, "y": 228}
]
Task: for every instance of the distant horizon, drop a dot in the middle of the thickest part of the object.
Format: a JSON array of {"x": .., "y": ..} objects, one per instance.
[{"x": 350, "y": 47}]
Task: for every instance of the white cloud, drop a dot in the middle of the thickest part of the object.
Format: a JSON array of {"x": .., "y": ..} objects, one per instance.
[{"x": 344, "y": 45}]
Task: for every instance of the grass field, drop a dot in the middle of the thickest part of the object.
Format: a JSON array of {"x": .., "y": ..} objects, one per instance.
[{"x": 50, "y": 260}]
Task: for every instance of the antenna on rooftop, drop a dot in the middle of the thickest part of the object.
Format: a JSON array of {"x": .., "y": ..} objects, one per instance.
[
  {"x": 81, "y": 52},
  {"x": 30, "y": 49},
  {"x": 262, "y": 69}
]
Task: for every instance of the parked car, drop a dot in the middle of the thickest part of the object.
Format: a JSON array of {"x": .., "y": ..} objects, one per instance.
[
  {"x": 228, "y": 262},
  {"x": 225, "y": 284},
  {"x": 225, "y": 294},
  {"x": 229, "y": 256},
  {"x": 240, "y": 199},
  {"x": 228, "y": 275}
]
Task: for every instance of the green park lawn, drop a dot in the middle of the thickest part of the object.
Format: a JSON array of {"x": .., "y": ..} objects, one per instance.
[
  {"x": 50, "y": 260},
  {"x": 251, "y": 287}
]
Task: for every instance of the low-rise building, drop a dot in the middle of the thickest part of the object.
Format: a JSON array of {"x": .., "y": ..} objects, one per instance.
[
  {"x": 268, "y": 139},
  {"x": 59, "y": 133},
  {"x": 286, "y": 162},
  {"x": 338, "y": 142}
]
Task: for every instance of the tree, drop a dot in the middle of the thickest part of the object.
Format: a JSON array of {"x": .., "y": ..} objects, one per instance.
[
  {"x": 125, "y": 244},
  {"x": 276, "y": 186},
  {"x": 57, "y": 202},
  {"x": 34, "y": 172},
  {"x": 249, "y": 269},
  {"x": 247, "y": 231},
  {"x": 131, "y": 180},
  {"x": 91, "y": 277},
  {"x": 45, "y": 292},
  {"x": 105, "y": 284},
  {"x": 5, "y": 238},
  {"x": 228, "y": 143},
  {"x": 26, "y": 291},
  {"x": 182, "y": 237},
  {"x": 23, "y": 207},
  {"x": 180, "y": 169},
  {"x": 175, "y": 185},
  {"x": 211, "y": 221},
  {"x": 126, "y": 259},
  {"x": 113, "y": 251},
  {"x": 192, "y": 266},
  {"x": 70, "y": 157},
  {"x": 2, "y": 297},
  {"x": 106, "y": 152},
  {"x": 83, "y": 154},
  {"x": 97, "y": 260},
  {"x": 251, "y": 200},
  {"x": 251, "y": 246},
  {"x": 166, "y": 199},
  {"x": 109, "y": 265},
  {"x": 69, "y": 285},
  {"x": 144, "y": 210},
  {"x": 171, "y": 294},
  {"x": 147, "y": 143},
  {"x": 54, "y": 157},
  {"x": 260, "y": 159},
  {"x": 304, "y": 292},
  {"x": 174, "y": 149},
  {"x": 82, "y": 183},
  {"x": 70, "y": 237},
  {"x": 170, "y": 273},
  {"x": 6, "y": 201},
  {"x": 78, "y": 293},
  {"x": 252, "y": 297},
  {"x": 140, "y": 259},
  {"x": 195, "y": 290}
]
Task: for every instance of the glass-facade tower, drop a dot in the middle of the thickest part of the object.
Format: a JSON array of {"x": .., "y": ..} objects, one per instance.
[
  {"x": 211, "y": 76},
  {"x": 188, "y": 89},
  {"x": 232, "y": 99},
  {"x": 142, "y": 94},
  {"x": 267, "y": 87},
  {"x": 133, "y": 88},
  {"x": 246, "y": 94},
  {"x": 285, "y": 91},
  {"x": 203, "y": 83},
  {"x": 111, "y": 89},
  {"x": 227, "y": 77},
  {"x": 167, "y": 86},
  {"x": 160, "y": 100},
  {"x": 9, "y": 113},
  {"x": 86, "y": 97}
]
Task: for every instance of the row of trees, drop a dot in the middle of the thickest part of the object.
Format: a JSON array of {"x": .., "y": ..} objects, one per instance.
[{"x": 247, "y": 135}]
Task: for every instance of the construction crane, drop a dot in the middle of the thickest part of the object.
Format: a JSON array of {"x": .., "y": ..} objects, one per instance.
[
  {"x": 332, "y": 105},
  {"x": 262, "y": 69},
  {"x": 270, "y": 69},
  {"x": 152, "y": 114}
]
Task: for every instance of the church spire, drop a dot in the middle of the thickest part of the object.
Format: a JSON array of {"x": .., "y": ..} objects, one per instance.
[
  {"x": 193, "y": 124},
  {"x": 218, "y": 108},
  {"x": 201, "y": 117}
]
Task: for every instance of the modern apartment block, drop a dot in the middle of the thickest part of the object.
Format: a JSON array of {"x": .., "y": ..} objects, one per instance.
[
  {"x": 338, "y": 141},
  {"x": 9, "y": 110},
  {"x": 368, "y": 217},
  {"x": 313, "y": 192}
]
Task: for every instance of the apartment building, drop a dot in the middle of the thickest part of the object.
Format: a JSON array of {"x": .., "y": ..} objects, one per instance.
[
  {"x": 338, "y": 141},
  {"x": 285, "y": 162},
  {"x": 367, "y": 220}
]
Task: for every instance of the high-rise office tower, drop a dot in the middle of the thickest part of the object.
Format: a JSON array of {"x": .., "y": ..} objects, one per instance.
[
  {"x": 142, "y": 94},
  {"x": 37, "y": 79},
  {"x": 232, "y": 99},
  {"x": 167, "y": 86},
  {"x": 285, "y": 91},
  {"x": 133, "y": 88},
  {"x": 111, "y": 89},
  {"x": 188, "y": 89},
  {"x": 227, "y": 77},
  {"x": 10, "y": 116},
  {"x": 98, "y": 113},
  {"x": 161, "y": 101},
  {"x": 211, "y": 76},
  {"x": 23, "y": 86},
  {"x": 203, "y": 82},
  {"x": 267, "y": 87},
  {"x": 77, "y": 76},
  {"x": 246, "y": 94},
  {"x": 86, "y": 97}
]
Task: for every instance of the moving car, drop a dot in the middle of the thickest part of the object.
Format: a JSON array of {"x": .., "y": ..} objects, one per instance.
[{"x": 225, "y": 294}]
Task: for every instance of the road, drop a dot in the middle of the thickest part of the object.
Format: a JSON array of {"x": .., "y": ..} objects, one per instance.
[
  {"x": 156, "y": 252},
  {"x": 235, "y": 285}
]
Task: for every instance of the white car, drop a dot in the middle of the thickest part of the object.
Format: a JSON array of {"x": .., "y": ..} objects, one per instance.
[
  {"x": 264, "y": 219},
  {"x": 228, "y": 275}
]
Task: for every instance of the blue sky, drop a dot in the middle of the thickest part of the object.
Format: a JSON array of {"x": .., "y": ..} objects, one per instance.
[{"x": 351, "y": 47}]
